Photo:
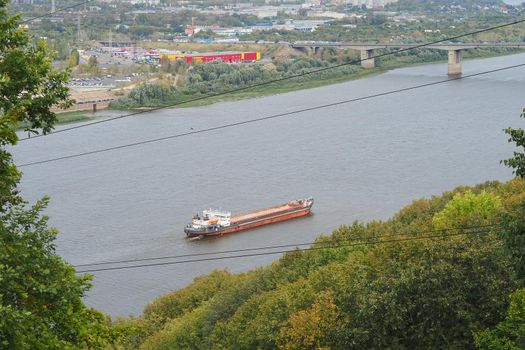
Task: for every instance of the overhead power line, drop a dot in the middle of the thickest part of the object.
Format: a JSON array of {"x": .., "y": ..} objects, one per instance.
[
  {"x": 253, "y": 86},
  {"x": 282, "y": 251},
  {"x": 281, "y": 246},
  {"x": 274, "y": 116},
  {"x": 56, "y": 11}
]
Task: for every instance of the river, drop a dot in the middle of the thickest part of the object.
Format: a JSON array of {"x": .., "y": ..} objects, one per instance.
[{"x": 360, "y": 161}]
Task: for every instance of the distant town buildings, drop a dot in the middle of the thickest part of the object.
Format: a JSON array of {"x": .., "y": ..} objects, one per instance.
[
  {"x": 298, "y": 25},
  {"x": 148, "y": 2},
  {"x": 272, "y": 6},
  {"x": 365, "y": 3}
]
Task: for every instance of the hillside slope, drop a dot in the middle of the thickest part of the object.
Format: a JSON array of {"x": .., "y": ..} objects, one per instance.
[{"x": 377, "y": 285}]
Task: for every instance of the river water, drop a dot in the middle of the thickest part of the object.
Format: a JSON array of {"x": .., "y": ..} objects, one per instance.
[{"x": 360, "y": 161}]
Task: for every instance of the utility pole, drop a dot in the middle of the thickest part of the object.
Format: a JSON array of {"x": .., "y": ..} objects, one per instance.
[
  {"x": 52, "y": 6},
  {"x": 78, "y": 27}
]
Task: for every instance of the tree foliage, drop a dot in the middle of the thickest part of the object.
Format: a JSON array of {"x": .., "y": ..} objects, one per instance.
[
  {"x": 147, "y": 95},
  {"x": 40, "y": 295},
  {"x": 41, "y": 303},
  {"x": 510, "y": 333},
  {"x": 74, "y": 58},
  {"x": 513, "y": 235},
  {"x": 29, "y": 87},
  {"x": 217, "y": 77},
  {"x": 517, "y": 162},
  {"x": 310, "y": 328},
  {"x": 92, "y": 61},
  {"x": 468, "y": 209}
]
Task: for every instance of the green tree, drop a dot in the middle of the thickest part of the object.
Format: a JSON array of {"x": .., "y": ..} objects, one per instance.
[
  {"x": 468, "y": 209},
  {"x": 28, "y": 88},
  {"x": 510, "y": 333},
  {"x": 40, "y": 296},
  {"x": 513, "y": 234},
  {"x": 93, "y": 62},
  {"x": 518, "y": 161},
  {"x": 150, "y": 94},
  {"x": 165, "y": 63},
  {"x": 309, "y": 329},
  {"x": 74, "y": 58}
]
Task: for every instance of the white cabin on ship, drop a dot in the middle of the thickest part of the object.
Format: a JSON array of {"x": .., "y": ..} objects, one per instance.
[{"x": 212, "y": 217}]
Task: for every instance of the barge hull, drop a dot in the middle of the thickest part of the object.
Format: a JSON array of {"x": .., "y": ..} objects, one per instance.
[
  {"x": 256, "y": 223},
  {"x": 218, "y": 223}
]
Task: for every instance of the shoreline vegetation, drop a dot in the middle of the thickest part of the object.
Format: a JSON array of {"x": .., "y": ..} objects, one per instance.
[
  {"x": 74, "y": 117},
  {"x": 217, "y": 78},
  {"x": 68, "y": 117}
]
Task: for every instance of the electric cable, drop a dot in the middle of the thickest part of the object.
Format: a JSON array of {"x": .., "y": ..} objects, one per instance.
[
  {"x": 57, "y": 10},
  {"x": 274, "y": 116},
  {"x": 280, "y": 246},
  {"x": 282, "y": 251}
]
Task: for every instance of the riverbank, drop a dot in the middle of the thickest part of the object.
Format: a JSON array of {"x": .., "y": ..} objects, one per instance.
[
  {"x": 327, "y": 77},
  {"x": 74, "y": 117},
  {"x": 68, "y": 118}
]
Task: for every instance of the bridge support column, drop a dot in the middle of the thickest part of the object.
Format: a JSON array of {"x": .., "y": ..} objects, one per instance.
[
  {"x": 94, "y": 107},
  {"x": 367, "y": 58},
  {"x": 454, "y": 62},
  {"x": 307, "y": 50}
]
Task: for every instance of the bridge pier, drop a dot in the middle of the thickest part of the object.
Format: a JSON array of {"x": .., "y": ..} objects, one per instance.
[
  {"x": 454, "y": 62},
  {"x": 94, "y": 107},
  {"x": 307, "y": 50},
  {"x": 367, "y": 58}
]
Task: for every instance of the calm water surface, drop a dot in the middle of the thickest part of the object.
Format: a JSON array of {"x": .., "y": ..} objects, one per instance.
[{"x": 360, "y": 161}]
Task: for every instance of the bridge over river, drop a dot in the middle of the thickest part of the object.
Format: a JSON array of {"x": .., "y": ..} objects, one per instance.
[{"x": 368, "y": 58}]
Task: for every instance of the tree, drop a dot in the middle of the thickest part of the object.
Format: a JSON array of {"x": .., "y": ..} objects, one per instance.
[
  {"x": 510, "y": 333},
  {"x": 93, "y": 62},
  {"x": 468, "y": 209},
  {"x": 310, "y": 329},
  {"x": 74, "y": 58},
  {"x": 513, "y": 234},
  {"x": 28, "y": 88},
  {"x": 518, "y": 161},
  {"x": 302, "y": 12},
  {"x": 40, "y": 296}
]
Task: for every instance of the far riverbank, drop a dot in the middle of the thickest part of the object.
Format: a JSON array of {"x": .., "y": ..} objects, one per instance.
[{"x": 343, "y": 73}]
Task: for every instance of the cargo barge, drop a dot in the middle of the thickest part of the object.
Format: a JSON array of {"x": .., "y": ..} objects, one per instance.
[{"x": 217, "y": 223}]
